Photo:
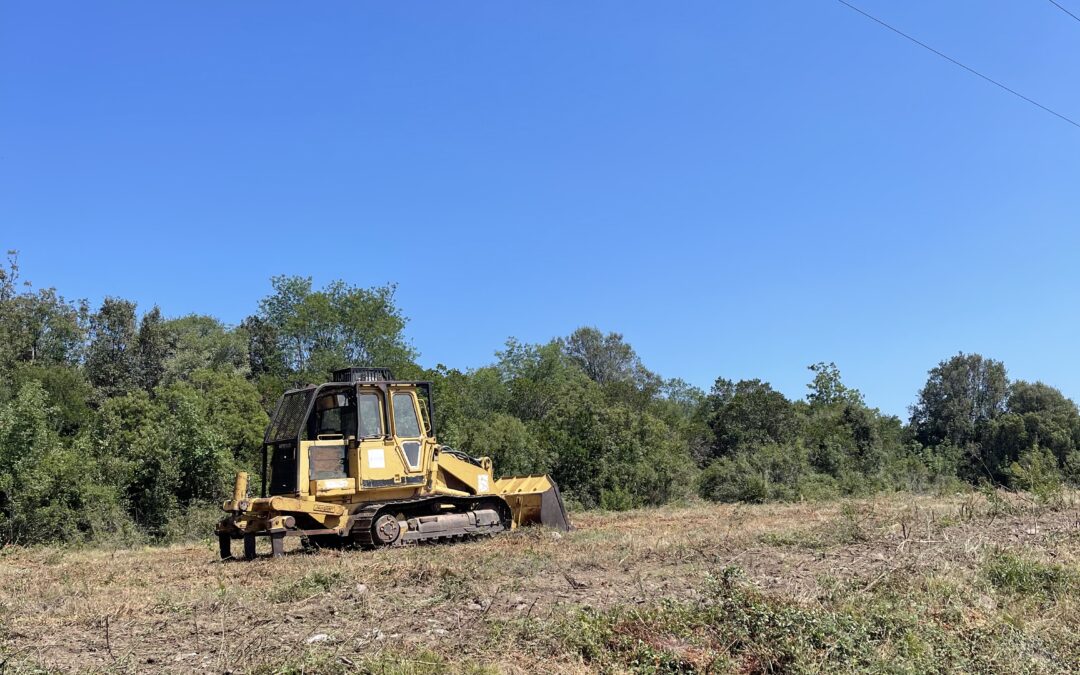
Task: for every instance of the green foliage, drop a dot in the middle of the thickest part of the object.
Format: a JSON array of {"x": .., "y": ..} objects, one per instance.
[
  {"x": 769, "y": 473},
  {"x": 265, "y": 355},
  {"x": 67, "y": 390},
  {"x": 1018, "y": 434},
  {"x": 232, "y": 406},
  {"x": 112, "y": 357},
  {"x": 1037, "y": 472},
  {"x": 118, "y": 428},
  {"x": 827, "y": 390},
  {"x": 194, "y": 522},
  {"x": 734, "y": 628},
  {"x": 49, "y": 491},
  {"x": 1070, "y": 468},
  {"x": 748, "y": 414},
  {"x": 311, "y": 584},
  {"x": 509, "y": 443},
  {"x": 618, "y": 444},
  {"x": 605, "y": 359},
  {"x": 39, "y": 328},
  {"x": 202, "y": 343},
  {"x": 319, "y": 331},
  {"x": 1023, "y": 575},
  {"x": 960, "y": 400},
  {"x": 155, "y": 344},
  {"x": 835, "y": 444}
]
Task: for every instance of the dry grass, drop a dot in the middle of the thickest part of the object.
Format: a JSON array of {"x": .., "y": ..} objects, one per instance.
[{"x": 533, "y": 599}]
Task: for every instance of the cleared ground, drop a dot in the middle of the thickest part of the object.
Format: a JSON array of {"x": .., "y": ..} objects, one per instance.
[{"x": 898, "y": 583}]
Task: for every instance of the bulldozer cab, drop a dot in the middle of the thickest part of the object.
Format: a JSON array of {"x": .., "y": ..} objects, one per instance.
[{"x": 364, "y": 430}]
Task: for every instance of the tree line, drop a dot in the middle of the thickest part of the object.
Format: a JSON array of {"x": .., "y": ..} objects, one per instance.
[{"x": 125, "y": 427}]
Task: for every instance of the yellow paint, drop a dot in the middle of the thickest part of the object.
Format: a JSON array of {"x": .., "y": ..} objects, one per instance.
[{"x": 378, "y": 470}]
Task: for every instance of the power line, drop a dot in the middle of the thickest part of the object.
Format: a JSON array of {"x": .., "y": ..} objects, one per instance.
[
  {"x": 955, "y": 62},
  {"x": 1063, "y": 9}
]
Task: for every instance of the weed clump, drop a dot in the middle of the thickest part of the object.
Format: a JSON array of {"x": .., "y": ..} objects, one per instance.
[
  {"x": 311, "y": 584},
  {"x": 734, "y": 628},
  {"x": 1023, "y": 575}
]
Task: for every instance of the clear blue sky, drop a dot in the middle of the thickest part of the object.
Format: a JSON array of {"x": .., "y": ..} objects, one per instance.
[{"x": 741, "y": 189}]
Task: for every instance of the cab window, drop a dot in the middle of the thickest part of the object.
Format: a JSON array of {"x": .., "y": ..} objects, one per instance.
[
  {"x": 405, "y": 422},
  {"x": 334, "y": 416},
  {"x": 370, "y": 419}
]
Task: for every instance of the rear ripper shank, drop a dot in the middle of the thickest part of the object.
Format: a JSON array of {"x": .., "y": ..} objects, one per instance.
[{"x": 355, "y": 461}]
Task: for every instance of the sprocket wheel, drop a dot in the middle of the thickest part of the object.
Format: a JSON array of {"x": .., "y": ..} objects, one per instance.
[{"x": 386, "y": 530}]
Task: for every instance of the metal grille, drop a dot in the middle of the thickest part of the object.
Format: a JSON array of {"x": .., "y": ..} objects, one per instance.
[
  {"x": 363, "y": 375},
  {"x": 289, "y": 416}
]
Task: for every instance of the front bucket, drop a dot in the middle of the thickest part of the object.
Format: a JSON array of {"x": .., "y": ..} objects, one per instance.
[{"x": 534, "y": 500}]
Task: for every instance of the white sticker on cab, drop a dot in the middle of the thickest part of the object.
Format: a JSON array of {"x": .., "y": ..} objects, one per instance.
[
  {"x": 482, "y": 483},
  {"x": 375, "y": 459}
]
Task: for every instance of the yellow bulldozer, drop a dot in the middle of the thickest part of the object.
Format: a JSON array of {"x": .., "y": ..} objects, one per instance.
[{"x": 355, "y": 462}]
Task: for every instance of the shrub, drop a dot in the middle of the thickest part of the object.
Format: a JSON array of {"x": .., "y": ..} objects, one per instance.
[
  {"x": 1037, "y": 471},
  {"x": 50, "y": 491},
  {"x": 771, "y": 472}
]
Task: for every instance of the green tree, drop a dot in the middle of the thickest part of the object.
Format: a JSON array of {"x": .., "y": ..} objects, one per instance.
[
  {"x": 1036, "y": 470},
  {"x": 68, "y": 393},
  {"x": 842, "y": 434},
  {"x": 194, "y": 445},
  {"x": 112, "y": 359},
  {"x": 231, "y": 405},
  {"x": 37, "y": 328},
  {"x": 265, "y": 356},
  {"x": 341, "y": 325},
  {"x": 202, "y": 342},
  {"x": 827, "y": 389},
  {"x": 604, "y": 358},
  {"x": 1036, "y": 414},
  {"x": 163, "y": 453},
  {"x": 1050, "y": 418},
  {"x": 768, "y": 473},
  {"x": 747, "y": 414},
  {"x": 509, "y": 443},
  {"x": 121, "y": 429},
  {"x": 537, "y": 376},
  {"x": 153, "y": 343},
  {"x": 48, "y": 490},
  {"x": 961, "y": 397},
  {"x": 464, "y": 399}
]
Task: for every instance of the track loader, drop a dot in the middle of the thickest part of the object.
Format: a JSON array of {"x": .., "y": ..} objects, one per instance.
[{"x": 355, "y": 462}]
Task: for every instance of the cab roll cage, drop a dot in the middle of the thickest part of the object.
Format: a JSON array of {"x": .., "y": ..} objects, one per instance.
[{"x": 382, "y": 385}]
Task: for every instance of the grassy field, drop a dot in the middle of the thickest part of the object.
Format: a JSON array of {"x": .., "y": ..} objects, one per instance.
[{"x": 895, "y": 584}]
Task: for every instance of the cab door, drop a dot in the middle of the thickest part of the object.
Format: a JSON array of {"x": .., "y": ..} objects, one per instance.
[
  {"x": 372, "y": 437},
  {"x": 408, "y": 433}
]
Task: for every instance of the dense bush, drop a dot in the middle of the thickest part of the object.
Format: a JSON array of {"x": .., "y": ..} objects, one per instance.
[{"x": 116, "y": 427}]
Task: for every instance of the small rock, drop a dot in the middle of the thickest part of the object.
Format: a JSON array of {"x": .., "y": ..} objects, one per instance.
[
  {"x": 517, "y": 600},
  {"x": 318, "y": 637},
  {"x": 520, "y": 606},
  {"x": 440, "y": 631},
  {"x": 474, "y": 606},
  {"x": 556, "y": 535},
  {"x": 361, "y": 589}
]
